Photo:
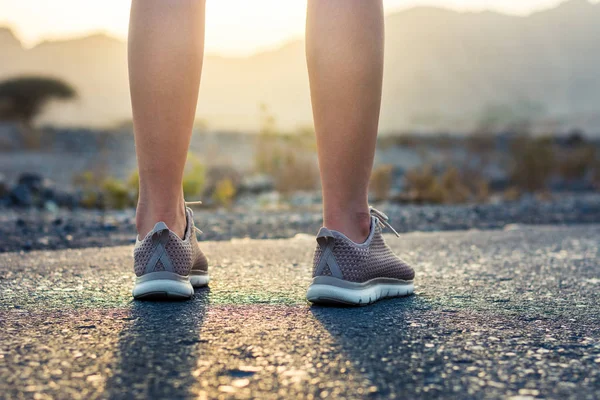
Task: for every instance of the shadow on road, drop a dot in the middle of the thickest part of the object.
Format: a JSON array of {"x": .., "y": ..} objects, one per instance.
[
  {"x": 158, "y": 353},
  {"x": 383, "y": 341}
]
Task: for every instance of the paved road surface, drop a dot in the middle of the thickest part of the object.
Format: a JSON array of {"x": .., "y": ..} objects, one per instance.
[{"x": 499, "y": 314}]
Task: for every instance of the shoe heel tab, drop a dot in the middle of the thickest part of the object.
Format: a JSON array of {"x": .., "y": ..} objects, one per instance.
[
  {"x": 324, "y": 236},
  {"x": 159, "y": 227}
]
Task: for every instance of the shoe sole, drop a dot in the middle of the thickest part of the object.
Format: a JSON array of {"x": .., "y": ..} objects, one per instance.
[
  {"x": 199, "y": 279},
  {"x": 327, "y": 290},
  {"x": 162, "y": 285}
]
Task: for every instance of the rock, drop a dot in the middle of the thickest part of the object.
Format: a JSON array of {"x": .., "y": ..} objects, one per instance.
[
  {"x": 21, "y": 196},
  {"x": 63, "y": 197},
  {"x": 33, "y": 182},
  {"x": 51, "y": 206},
  {"x": 257, "y": 184}
]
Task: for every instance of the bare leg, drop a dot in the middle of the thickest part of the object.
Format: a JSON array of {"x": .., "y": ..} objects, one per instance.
[
  {"x": 166, "y": 45},
  {"x": 344, "y": 48}
]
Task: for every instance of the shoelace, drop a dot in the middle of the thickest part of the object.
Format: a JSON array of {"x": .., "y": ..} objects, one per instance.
[
  {"x": 194, "y": 203},
  {"x": 383, "y": 220}
]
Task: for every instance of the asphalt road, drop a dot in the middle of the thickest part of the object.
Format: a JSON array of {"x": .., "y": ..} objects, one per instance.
[{"x": 496, "y": 314}]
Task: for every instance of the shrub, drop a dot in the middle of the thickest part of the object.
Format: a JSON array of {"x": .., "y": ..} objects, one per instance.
[
  {"x": 451, "y": 187},
  {"x": 224, "y": 192},
  {"x": 295, "y": 172},
  {"x": 91, "y": 199},
  {"x": 98, "y": 191},
  {"x": 512, "y": 194},
  {"x": 423, "y": 186},
  {"x": 116, "y": 194},
  {"x": 194, "y": 177},
  {"x": 381, "y": 181},
  {"x": 533, "y": 162},
  {"x": 85, "y": 178},
  {"x": 482, "y": 191},
  {"x": 289, "y": 159},
  {"x": 133, "y": 183}
]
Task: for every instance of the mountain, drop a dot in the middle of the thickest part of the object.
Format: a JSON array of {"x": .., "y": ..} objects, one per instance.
[{"x": 443, "y": 70}]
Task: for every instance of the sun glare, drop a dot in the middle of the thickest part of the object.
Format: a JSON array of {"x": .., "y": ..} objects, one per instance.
[{"x": 234, "y": 27}]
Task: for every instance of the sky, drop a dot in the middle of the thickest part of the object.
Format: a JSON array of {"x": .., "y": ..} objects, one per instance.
[{"x": 233, "y": 27}]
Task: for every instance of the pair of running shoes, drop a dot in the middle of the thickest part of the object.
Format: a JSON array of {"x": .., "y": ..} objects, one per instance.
[{"x": 344, "y": 272}]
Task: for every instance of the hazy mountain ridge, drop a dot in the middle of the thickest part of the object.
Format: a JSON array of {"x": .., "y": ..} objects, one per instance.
[{"x": 442, "y": 69}]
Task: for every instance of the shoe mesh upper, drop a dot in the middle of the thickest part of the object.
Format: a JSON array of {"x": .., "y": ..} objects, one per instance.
[
  {"x": 360, "y": 263},
  {"x": 180, "y": 253},
  {"x": 183, "y": 254},
  {"x": 141, "y": 255},
  {"x": 200, "y": 263}
]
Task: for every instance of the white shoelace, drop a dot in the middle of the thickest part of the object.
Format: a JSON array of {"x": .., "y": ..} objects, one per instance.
[
  {"x": 194, "y": 203},
  {"x": 383, "y": 220}
]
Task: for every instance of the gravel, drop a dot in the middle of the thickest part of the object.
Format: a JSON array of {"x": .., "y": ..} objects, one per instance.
[{"x": 37, "y": 230}]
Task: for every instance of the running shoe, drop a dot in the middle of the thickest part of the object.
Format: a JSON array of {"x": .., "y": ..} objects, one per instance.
[
  {"x": 349, "y": 273},
  {"x": 168, "y": 267}
]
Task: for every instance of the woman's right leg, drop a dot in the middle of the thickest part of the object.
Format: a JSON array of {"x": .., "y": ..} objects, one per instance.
[{"x": 166, "y": 45}]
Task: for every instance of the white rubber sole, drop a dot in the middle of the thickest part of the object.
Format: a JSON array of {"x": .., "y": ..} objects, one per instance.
[
  {"x": 332, "y": 291},
  {"x": 198, "y": 281},
  {"x": 163, "y": 286}
]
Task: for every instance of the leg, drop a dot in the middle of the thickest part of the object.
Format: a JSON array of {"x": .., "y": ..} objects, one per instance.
[
  {"x": 166, "y": 40},
  {"x": 344, "y": 48}
]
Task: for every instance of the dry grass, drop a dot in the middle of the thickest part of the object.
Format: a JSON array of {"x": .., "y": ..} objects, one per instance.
[
  {"x": 194, "y": 177},
  {"x": 450, "y": 187},
  {"x": 381, "y": 181},
  {"x": 423, "y": 186},
  {"x": 288, "y": 159},
  {"x": 533, "y": 162},
  {"x": 291, "y": 169},
  {"x": 224, "y": 192}
]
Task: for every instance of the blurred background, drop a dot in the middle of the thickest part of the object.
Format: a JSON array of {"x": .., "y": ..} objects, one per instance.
[{"x": 490, "y": 116}]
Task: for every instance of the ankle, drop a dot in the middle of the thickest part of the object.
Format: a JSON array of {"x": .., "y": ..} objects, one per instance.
[
  {"x": 147, "y": 215},
  {"x": 355, "y": 225}
]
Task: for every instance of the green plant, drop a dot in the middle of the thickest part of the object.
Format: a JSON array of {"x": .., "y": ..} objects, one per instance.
[
  {"x": 224, "y": 192},
  {"x": 194, "y": 177},
  {"x": 90, "y": 199},
  {"x": 133, "y": 183},
  {"x": 85, "y": 178},
  {"x": 116, "y": 194}
]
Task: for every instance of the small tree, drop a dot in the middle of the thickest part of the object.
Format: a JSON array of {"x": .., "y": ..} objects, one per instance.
[{"x": 22, "y": 99}]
